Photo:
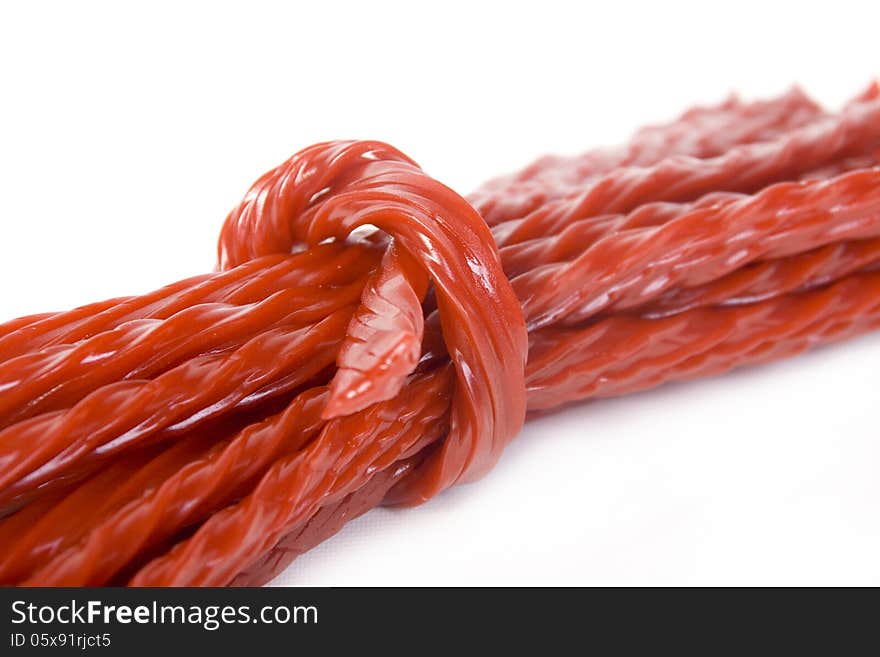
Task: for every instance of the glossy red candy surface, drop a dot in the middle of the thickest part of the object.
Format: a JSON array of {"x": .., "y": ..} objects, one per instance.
[{"x": 372, "y": 337}]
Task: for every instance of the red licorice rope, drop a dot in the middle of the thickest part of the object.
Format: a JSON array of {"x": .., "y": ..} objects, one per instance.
[{"x": 371, "y": 337}]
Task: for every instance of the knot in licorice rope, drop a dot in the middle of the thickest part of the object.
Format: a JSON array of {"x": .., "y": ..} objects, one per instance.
[{"x": 432, "y": 236}]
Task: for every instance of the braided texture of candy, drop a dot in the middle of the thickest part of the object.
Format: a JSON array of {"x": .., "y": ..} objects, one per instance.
[{"x": 371, "y": 337}]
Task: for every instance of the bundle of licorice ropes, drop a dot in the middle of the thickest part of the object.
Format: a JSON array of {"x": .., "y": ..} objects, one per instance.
[{"x": 371, "y": 337}]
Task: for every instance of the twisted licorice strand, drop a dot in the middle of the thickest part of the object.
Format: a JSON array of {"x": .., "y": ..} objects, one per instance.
[
  {"x": 184, "y": 494},
  {"x": 575, "y": 240},
  {"x": 744, "y": 169},
  {"x": 780, "y": 274},
  {"x": 343, "y": 186},
  {"x": 71, "y": 326},
  {"x": 699, "y": 132},
  {"x": 79, "y": 323},
  {"x": 66, "y": 508},
  {"x": 675, "y": 135},
  {"x": 824, "y": 331},
  {"x": 712, "y": 133},
  {"x": 272, "y": 218},
  {"x": 522, "y": 198},
  {"x": 844, "y": 165},
  {"x": 766, "y": 279},
  {"x": 624, "y": 346},
  {"x": 267, "y": 221},
  {"x": 28, "y": 322},
  {"x": 335, "y": 264},
  {"x": 383, "y": 342},
  {"x": 522, "y": 252},
  {"x": 481, "y": 321},
  {"x": 35, "y": 450},
  {"x": 335, "y": 464},
  {"x": 625, "y": 354},
  {"x": 255, "y": 407},
  {"x": 758, "y": 280},
  {"x": 324, "y": 523},
  {"x": 752, "y": 351},
  {"x": 42, "y": 531},
  {"x": 58, "y": 377},
  {"x": 638, "y": 265},
  {"x": 519, "y": 233},
  {"x": 34, "y": 533},
  {"x": 617, "y": 342}
]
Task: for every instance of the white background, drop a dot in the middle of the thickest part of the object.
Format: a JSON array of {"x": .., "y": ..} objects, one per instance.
[{"x": 126, "y": 135}]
